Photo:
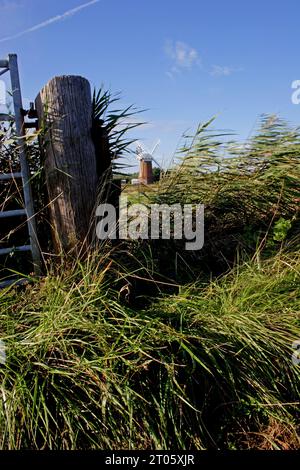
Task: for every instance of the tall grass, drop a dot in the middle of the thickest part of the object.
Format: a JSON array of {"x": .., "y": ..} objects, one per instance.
[
  {"x": 207, "y": 367},
  {"x": 246, "y": 190},
  {"x": 202, "y": 369}
]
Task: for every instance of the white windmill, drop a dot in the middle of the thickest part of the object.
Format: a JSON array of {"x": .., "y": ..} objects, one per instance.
[{"x": 146, "y": 158}]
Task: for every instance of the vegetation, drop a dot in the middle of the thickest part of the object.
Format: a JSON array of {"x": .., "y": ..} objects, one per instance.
[
  {"x": 207, "y": 368},
  {"x": 206, "y": 362},
  {"x": 115, "y": 125},
  {"x": 251, "y": 193}
]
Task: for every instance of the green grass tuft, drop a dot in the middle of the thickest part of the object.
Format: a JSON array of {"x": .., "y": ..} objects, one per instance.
[{"x": 206, "y": 368}]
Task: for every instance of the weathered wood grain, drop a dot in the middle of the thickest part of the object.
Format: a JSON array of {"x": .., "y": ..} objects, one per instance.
[{"x": 64, "y": 108}]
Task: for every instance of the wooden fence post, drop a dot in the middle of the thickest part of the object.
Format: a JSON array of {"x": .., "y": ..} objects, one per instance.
[{"x": 64, "y": 107}]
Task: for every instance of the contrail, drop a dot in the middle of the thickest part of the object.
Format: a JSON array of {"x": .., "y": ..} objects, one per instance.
[{"x": 54, "y": 19}]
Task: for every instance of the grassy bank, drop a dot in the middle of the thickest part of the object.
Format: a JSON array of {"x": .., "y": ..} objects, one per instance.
[
  {"x": 208, "y": 368},
  {"x": 146, "y": 345}
]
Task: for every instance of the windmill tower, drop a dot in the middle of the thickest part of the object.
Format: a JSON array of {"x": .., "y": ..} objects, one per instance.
[{"x": 146, "y": 158}]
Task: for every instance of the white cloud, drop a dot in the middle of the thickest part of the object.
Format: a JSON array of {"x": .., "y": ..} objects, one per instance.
[
  {"x": 54, "y": 19},
  {"x": 223, "y": 70},
  {"x": 182, "y": 56}
]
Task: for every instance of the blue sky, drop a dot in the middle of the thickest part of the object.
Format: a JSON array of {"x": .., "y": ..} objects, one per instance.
[{"x": 184, "y": 61}]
